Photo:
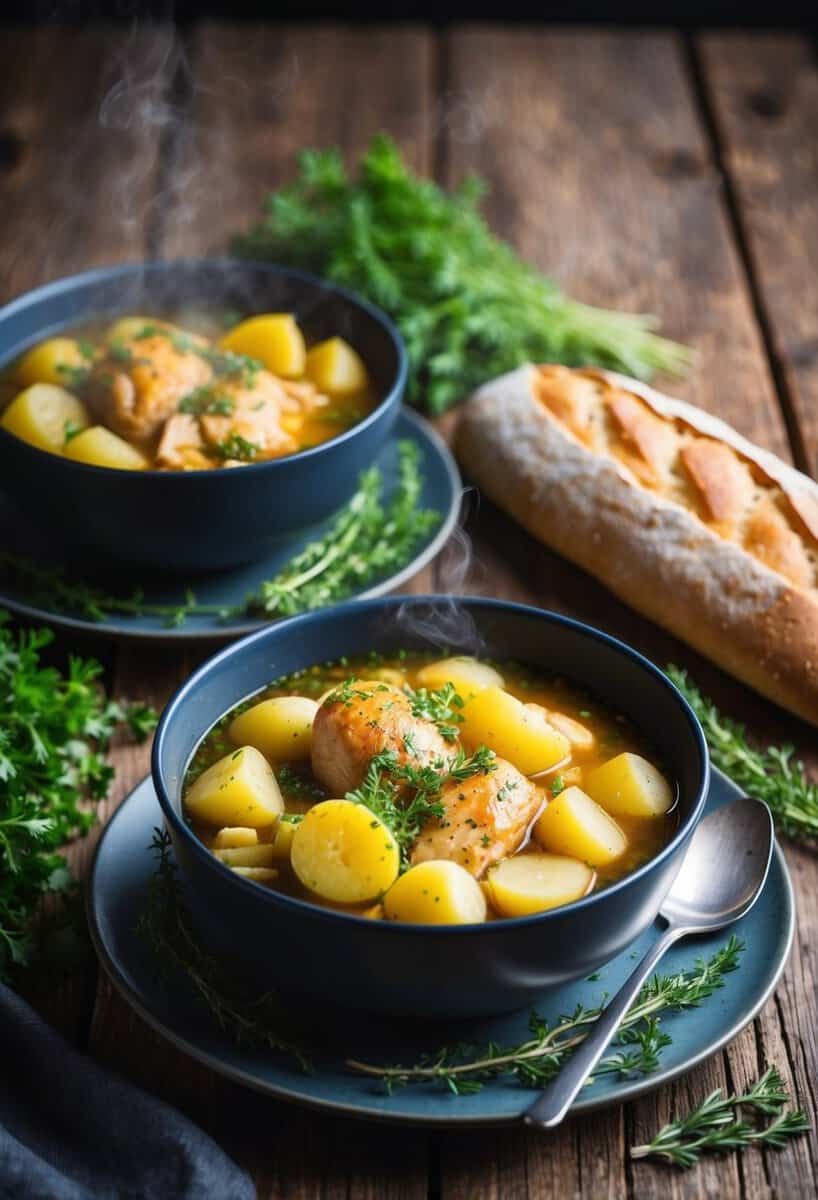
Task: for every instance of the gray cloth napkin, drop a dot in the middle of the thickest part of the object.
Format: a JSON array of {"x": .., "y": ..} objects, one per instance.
[{"x": 71, "y": 1130}]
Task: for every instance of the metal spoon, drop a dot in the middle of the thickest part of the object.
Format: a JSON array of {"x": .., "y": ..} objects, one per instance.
[{"x": 720, "y": 880}]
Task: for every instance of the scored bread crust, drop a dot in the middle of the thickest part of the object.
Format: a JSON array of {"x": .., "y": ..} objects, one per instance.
[{"x": 627, "y": 496}]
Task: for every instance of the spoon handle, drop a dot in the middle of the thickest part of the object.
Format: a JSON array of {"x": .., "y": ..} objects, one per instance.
[{"x": 552, "y": 1105}]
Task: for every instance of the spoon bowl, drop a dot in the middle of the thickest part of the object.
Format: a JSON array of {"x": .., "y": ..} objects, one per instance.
[{"x": 720, "y": 879}]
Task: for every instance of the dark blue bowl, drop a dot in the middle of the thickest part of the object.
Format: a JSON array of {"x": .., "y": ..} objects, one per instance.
[
  {"x": 197, "y": 520},
  {"x": 421, "y": 970}
]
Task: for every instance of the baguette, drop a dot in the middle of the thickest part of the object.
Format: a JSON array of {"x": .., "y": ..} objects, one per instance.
[{"x": 680, "y": 516}]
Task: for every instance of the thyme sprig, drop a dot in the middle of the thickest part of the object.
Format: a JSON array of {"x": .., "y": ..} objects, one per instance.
[
  {"x": 464, "y": 1068},
  {"x": 718, "y": 1124},
  {"x": 387, "y": 780},
  {"x": 771, "y": 775},
  {"x": 165, "y": 925},
  {"x": 441, "y": 706},
  {"x": 367, "y": 539}
]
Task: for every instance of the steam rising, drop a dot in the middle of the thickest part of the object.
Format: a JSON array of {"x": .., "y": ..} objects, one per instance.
[{"x": 446, "y": 624}]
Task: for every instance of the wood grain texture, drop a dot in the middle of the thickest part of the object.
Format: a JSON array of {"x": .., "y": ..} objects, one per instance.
[
  {"x": 82, "y": 117},
  {"x": 604, "y": 174},
  {"x": 611, "y": 187},
  {"x": 764, "y": 97}
]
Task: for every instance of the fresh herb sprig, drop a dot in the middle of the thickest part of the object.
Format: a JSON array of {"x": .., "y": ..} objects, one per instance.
[
  {"x": 442, "y": 707},
  {"x": 166, "y": 926},
  {"x": 54, "y": 730},
  {"x": 463, "y": 1069},
  {"x": 718, "y": 1124},
  {"x": 405, "y": 795},
  {"x": 367, "y": 539},
  {"x": 403, "y": 817},
  {"x": 771, "y": 775},
  {"x": 467, "y": 306}
]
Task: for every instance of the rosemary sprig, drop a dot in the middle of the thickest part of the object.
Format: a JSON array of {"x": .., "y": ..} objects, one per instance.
[
  {"x": 717, "y": 1125},
  {"x": 165, "y": 925},
  {"x": 464, "y": 1068},
  {"x": 366, "y": 540},
  {"x": 771, "y": 775}
]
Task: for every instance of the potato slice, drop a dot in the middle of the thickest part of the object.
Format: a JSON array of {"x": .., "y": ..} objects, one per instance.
[
  {"x": 283, "y": 840},
  {"x": 531, "y": 883},
  {"x": 514, "y": 731},
  {"x": 52, "y": 361},
  {"x": 43, "y": 414},
  {"x": 234, "y": 836},
  {"x": 388, "y": 675},
  {"x": 630, "y": 786},
  {"x": 273, "y": 339},
  {"x": 573, "y": 824},
  {"x": 101, "y": 448},
  {"x": 468, "y": 676},
  {"x": 260, "y": 855},
  {"x": 342, "y": 852},
  {"x": 239, "y": 789},
  {"x": 128, "y": 328},
  {"x": 280, "y": 728},
  {"x": 335, "y": 368},
  {"x": 258, "y": 874},
  {"x": 437, "y": 892}
]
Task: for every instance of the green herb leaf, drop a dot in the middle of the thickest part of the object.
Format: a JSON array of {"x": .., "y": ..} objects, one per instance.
[
  {"x": 463, "y": 1068},
  {"x": 771, "y": 775},
  {"x": 467, "y": 306},
  {"x": 54, "y": 730},
  {"x": 718, "y": 1124}
]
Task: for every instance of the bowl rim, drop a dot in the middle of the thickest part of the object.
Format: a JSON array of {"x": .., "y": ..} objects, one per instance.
[
  {"x": 301, "y": 623},
  {"x": 68, "y": 283}
]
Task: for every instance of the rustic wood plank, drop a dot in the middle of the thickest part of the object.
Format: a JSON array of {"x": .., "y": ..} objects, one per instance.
[
  {"x": 75, "y": 186},
  {"x": 608, "y": 184},
  {"x": 262, "y": 93},
  {"x": 764, "y": 96},
  {"x": 82, "y": 118},
  {"x": 257, "y": 95}
]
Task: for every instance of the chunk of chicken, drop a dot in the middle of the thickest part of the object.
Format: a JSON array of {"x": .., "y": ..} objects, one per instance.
[
  {"x": 181, "y": 446},
  {"x": 486, "y": 818},
  {"x": 255, "y": 416},
  {"x": 364, "y": 719},
  {"x": 139, "y": 382}
]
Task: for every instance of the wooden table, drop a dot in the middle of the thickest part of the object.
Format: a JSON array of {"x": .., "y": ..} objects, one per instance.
[{"x": 644, "y": 171}]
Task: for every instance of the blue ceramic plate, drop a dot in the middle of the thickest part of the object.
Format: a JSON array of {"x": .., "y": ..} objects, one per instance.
[
  {"x": 441, "y": 491},
  {"x": 124, "y": 865}
]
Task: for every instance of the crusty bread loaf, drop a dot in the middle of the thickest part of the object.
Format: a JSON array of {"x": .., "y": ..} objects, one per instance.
[{"x": 679, "y": 515}]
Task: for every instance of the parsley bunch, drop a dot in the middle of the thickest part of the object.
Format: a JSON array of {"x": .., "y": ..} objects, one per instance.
[
  {"x": 467, "y": 306},
  {"x": 54, "y": 729}
]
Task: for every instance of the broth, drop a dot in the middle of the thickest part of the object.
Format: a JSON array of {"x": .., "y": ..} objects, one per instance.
[
  {"x": 604, "y": 735},
  {"x": 181, "y": 392}
]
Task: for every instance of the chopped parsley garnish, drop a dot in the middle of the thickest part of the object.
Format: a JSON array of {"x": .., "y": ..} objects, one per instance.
[
  {"x": 299, "y": 787},
  {"x": 236, "y": 446},
  {"x": 557, "y": 785},
  {"x": 70, "y": 430},
  {"x": 441, "y": 706},
  {"x": 206, "y": 401}
]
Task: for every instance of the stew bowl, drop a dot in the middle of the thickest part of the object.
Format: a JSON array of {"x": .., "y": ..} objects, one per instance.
[
  {"x": 196, "y": 520},
  {"x": 317, "y": 954}
]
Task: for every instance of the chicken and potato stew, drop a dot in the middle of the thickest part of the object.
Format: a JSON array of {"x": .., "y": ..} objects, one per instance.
[
  {"x": 443, "y": 791},
  {"x": 146, "y": 393}
]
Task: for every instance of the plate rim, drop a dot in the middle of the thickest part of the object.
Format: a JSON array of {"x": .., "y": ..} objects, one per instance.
[
  {"x": 420, "y": 427},
  {"x": 629, "y": 1090}
]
